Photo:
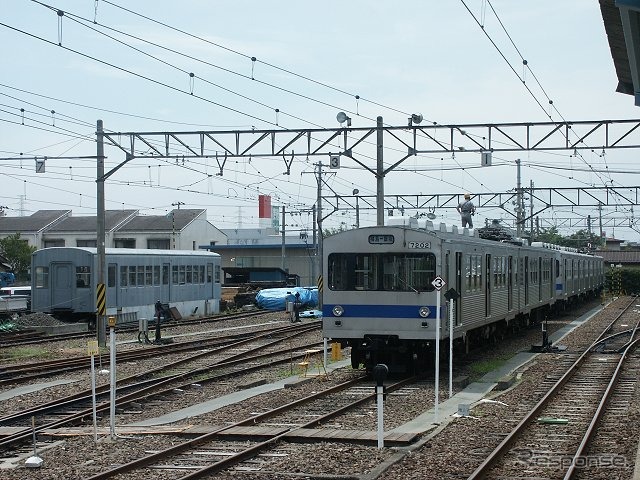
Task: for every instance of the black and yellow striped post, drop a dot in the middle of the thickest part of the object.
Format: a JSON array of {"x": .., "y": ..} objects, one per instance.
[
  {"x": 320, "y": 284},
  {"x": 101, "y": 312}
]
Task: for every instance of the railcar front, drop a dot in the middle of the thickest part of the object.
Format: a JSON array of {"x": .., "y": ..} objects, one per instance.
[{"x": 378, "y": 297}]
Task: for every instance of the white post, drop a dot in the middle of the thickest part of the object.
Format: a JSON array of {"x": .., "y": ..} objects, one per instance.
[
  {"x": 112, "y": 409},
  {"x": 380, "y": 400},
  {"x": 451, "y": 348},
  {"x": 93, "y": 397},
  {"x": 324, "y": 356},
  {"x": 437, "y": 370}
]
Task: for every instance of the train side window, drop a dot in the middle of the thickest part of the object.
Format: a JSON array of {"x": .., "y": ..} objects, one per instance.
[
  {"x": 124, "y": 276},
  {"x": 42, "y": 277},
  {"x": 174, "y": 274},
  {"x": 111, "y": 275},
  {"x": 140, "y": 279},
  {"x": 181, "y": 274},
  {"x": 165, "y": 274},
  {"x": 203, "y": 278},
  {"x": 209, "y": 272},
  {"x": 189, "y": 276},
  {"x": 217, "y": 273},
  {"x": 156, "y": 274},
  {"x": 83, "y": 277},
  {"x": 132, "y": 275},
  {"x": 148, "y": 275}
]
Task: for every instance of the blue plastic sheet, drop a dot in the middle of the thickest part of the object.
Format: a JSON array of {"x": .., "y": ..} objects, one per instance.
[{"x": 277, "y": 298}]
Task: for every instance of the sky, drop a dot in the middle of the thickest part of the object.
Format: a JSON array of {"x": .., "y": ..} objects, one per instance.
[{"x": 128, "y": 64}]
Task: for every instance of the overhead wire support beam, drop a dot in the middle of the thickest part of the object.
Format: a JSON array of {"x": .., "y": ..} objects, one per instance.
[{"x": 415, "y": 139}]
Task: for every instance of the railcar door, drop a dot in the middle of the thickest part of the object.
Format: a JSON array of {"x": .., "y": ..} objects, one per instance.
[
  {"x": 487, "y": 289},
  {"x": 510, "y": 283},
  {"x": 526, "y": 280},
  {"x": 62, "y": 285}
]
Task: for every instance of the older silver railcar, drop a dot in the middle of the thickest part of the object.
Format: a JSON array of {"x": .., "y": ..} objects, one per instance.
[
  {"x": 64, "y": 281},
  {"x": 379, "y": 297}
]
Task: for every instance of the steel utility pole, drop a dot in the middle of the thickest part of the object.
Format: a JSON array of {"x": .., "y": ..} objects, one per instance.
[
  {"x": 379, "y": 172},
  {"x": 518, "y": 202},
  {"x": 101, "y": 325},
  {"x": 320, "y": 235}
]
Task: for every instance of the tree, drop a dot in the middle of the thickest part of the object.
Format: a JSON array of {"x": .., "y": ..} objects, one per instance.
[{"x": 17, "y": 252}]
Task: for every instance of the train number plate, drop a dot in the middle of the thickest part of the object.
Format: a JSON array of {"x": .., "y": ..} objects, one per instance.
[
  {"x": 420, "y": 245},
  {"x": 381, "y": 239}
]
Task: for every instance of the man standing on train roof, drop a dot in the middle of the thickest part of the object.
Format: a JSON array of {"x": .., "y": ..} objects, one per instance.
[{"x": 466, "y": 209}]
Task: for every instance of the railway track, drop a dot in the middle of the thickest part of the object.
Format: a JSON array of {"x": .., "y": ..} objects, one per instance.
[
  {"x": 30, "y": 336},
  {"x": 14, "y": 373},
  {"x": 163, "y": 381},
  {"x": 290, "y": 420},
  {"x": 551, "y": 440}
]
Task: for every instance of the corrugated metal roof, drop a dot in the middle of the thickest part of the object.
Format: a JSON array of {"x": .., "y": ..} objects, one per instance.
[
  {"x": 623, "y": 256},
  {"x": 35, "y": 222},
  {"x": 174, "y": 220}
]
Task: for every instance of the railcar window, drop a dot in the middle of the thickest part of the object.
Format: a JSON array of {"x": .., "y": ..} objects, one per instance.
[
  {"x": 83, "y": 277},
  {"x": 124, "y": 276},
  {"x": 156, "y": 274},
  {"x": 132, "y": 275},
  {"x": 209, "y": 272},
  {"x": 111, "y": 275},
  {"x": 383, "y": 272},
  {"x": 181, "y": 274},
  {"x": 42, "y": 277},
  {"x": 189, "y": 269},
  {"x": 140, "y": 279},
  {"x": 217, "y": 273},
  {"x": 165, "y": 274},
  {"x": 174, "y": 274}
]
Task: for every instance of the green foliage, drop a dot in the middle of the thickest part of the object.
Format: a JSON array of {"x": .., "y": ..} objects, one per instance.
[
  {"x": 17, "y": 252},
  {"x": 580, "y": 239},
  {"x": 622, "y": 280}
]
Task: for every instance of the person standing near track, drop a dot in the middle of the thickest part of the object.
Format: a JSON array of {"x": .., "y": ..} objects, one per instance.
[{"x": 466, "y": 209}]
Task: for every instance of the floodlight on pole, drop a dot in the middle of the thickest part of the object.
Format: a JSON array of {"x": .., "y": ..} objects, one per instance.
[
  {"x": 415, "y": 119},
  {"x": 342, "y": 117}
]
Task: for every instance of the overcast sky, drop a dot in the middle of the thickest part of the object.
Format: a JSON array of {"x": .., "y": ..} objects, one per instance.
[{"x": 312, "y": 60}]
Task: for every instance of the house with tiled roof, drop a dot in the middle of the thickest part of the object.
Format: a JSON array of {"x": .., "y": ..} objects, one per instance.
[{"x": 184, "y": 229}]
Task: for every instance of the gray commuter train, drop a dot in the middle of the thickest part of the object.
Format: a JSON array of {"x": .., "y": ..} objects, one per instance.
[
  {"x": 380, "y": 294},
  {"x": 64, "y": 281}
]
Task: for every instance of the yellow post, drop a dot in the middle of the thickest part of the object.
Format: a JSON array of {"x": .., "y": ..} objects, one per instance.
[{"x": 336, "y": 352}]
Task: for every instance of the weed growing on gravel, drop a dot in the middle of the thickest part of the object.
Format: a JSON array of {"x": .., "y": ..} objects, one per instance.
[
  {"x": 18, "y": 353},
  {"x": 483, "y": 367}
]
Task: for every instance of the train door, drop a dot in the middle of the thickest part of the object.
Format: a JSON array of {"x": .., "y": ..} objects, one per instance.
[
  {"x": 487, "y": 289},
  {"x": 165, "y": 285},
  {"x": 510, "y": 283},
  {"x": 540, "y": 272},
  {"x": 62, "y": 285},
  {"x": 112, "y": 290},
  {"x": 526, "y": 280},
  {"x": 458, "y": 286}
]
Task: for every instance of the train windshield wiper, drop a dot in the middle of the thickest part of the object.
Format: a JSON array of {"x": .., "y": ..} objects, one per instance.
[{"x": 405, "y": 283}]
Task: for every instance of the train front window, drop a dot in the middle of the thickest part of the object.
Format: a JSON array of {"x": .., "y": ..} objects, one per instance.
[{"x": 400, "y": 272}]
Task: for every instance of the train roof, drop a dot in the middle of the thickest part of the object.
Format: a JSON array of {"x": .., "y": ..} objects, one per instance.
[{"x": 135, "y": 251}]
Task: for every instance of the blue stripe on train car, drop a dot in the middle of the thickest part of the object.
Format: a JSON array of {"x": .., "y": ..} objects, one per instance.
[
  {"x": 381, "y": 311},
  {"x": 558, "y": 287}
]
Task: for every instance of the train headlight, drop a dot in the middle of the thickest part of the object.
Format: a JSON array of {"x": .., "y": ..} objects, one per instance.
[
  {"x": 424, "y": 312},
  {"x": 338, "y": 311}
]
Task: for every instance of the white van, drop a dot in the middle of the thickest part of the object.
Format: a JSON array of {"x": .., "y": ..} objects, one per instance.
[{"x": 23, "y": 291}]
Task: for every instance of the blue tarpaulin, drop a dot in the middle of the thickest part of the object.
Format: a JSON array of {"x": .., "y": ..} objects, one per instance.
[{"x": 277, "y": 298}]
